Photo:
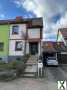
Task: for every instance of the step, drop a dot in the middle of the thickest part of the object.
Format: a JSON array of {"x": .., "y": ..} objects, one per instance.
[
  {"x": 29, "y": 72},
  {"x": 32, "y": 68},
  {"x": 29, "y": 75},
  {"x": 30, "y": 64}
]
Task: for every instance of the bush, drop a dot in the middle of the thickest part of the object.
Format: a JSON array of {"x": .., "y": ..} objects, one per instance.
[
  {"x": 1, "y": 62},
  {"x": 7, "y": 75},
  {"x": 20, "y": 69},
  {"x": 17, "y": 65},
  {"x": 11, "y": 65},
  {"x": 21, "y": 65},
  {"x": 26, "y": 57}
]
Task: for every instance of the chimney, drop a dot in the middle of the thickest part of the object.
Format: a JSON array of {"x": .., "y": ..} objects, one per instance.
[{"x": 19, "y": 18}]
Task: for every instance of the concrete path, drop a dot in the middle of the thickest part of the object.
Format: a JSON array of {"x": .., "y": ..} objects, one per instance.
[
  {"x": 31, "y": 67},
  {"x": 49, "y": 82},
  {"x": 29, "y": 84}
]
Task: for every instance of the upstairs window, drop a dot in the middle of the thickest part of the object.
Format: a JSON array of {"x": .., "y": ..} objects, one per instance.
[
  {"x": 1, "y": 46},
  {"x": 15, "y": 29},
  {"x": 18, "y": 46}
]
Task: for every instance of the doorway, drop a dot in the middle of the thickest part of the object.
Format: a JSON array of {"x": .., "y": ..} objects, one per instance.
[{"x": 33, "y": 48}]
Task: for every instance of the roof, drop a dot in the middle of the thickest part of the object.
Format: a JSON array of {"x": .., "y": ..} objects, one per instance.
[
  {"x": 50, "y": 46},
  {"x": 63, "y": 32},
  {"x": 31, "y": 22},
  {"x": 60, "y": 46}
]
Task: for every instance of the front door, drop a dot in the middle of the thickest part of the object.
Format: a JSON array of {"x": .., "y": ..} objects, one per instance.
[{"x": 33, "y": 48}]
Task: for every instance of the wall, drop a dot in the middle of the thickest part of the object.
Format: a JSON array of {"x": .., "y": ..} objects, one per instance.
[
  {"x": 12, "y": 51},
  {"x": 4, "y": 34},
  {"x": 61, "y": 38},
  {"x": 27, "y": 48},
  {"x": 39, "y": 49},
  {"x": 62, "y": 58},
  {"x": 17, "y": 37},
  {"x": 22, "y": 29},
  {"x": 33, "y": 33}
]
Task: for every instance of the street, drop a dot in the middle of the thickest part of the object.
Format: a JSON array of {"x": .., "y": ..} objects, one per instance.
[{"x": 49, "y": 82}]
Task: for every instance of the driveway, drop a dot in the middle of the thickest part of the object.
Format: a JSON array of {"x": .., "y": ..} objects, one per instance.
[
  {"x": 49, "y": 82},
  {"x": 56, "y": 73}
]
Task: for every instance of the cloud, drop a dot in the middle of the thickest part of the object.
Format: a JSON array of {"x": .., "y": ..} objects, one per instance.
[
  {"x": 17, "y": 2},
  {"x": 63, "y": 20},
  {"x": 61, "y": 23},
  {"x": 46, "y": 9},
  {"x": 2, "y": 12},
  {"x": 2, "y": 16},
  {"x": 31, "y": 5}
]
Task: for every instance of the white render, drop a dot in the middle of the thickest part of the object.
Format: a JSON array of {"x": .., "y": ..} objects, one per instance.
[
  {"x": 22, "y": 32},
  {"x": 27, "y": 48},
  {"x": 62, "y": 38},
  {"x": 39, "y": 49},
  {"x": 34, "y": 33},
  {"x": 12, "y": 51}
]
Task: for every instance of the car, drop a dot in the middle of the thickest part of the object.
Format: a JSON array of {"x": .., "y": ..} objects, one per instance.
[{"x": 52, "y": 61}]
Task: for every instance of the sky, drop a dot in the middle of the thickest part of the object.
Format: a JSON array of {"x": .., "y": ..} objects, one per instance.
[{"x": 54, "y": 13}]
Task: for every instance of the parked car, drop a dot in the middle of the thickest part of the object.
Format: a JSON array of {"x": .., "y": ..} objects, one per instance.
[{"x": 52, "y": 61}]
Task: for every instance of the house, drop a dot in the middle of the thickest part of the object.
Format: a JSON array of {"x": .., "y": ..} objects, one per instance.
[
  {"x": 54, "y": 49},
  {"x": 4, "y": 42},
  {"x": 48, "y": 51},
  {"x": 20, "y": 36},
  {"x": 62, "y": 34}
]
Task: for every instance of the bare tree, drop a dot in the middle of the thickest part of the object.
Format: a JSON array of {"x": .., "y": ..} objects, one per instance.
[{"x": 24, "y": 36}]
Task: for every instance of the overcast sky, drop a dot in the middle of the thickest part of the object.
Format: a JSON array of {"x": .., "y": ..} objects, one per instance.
[{"x": 54, "y": 13}]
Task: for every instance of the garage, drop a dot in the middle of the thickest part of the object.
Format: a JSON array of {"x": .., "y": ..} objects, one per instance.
[
  {"x": 49, "y": 58},
  {"x": 49, "y": 54},
  {"x": 62, "y": 58}
]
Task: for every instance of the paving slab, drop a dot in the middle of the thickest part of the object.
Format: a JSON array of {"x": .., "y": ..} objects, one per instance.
[
  {"x": 49, "y": 82},
  {"x": 28, "y": 84}
]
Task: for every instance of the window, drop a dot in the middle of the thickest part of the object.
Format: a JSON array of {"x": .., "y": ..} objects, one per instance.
[
  {"x": 1, "y": 46},
  {"x": 18, "y": 58},
  {"x": 15, "y": 29},
  {"x": 18, "y": 46}
]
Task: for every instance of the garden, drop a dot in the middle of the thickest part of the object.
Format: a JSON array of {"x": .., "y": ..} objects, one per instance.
[{"x": 12, "y": 70}]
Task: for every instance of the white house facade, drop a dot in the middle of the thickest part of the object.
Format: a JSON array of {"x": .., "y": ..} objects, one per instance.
[{"x": 25, "y": 37}]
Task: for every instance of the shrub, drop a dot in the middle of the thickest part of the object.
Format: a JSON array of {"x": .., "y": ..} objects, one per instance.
[
  {"x": 18, "y": 65},
  {"x": 7, "y": 75}
]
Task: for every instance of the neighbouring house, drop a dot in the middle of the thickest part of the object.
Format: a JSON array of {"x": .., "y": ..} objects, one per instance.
[
  {"x": 4, "y": 42},
  {"x": 48, "y": 51},
  {"x": 54, "y": 49},
  {"x": 62, "y": 34},
  {"x": 19, "y": 37}
]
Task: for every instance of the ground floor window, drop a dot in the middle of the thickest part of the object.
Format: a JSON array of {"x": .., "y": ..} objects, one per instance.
[
  {"x": 1, "y": 46},
  {"x": 18, "y": 46}
]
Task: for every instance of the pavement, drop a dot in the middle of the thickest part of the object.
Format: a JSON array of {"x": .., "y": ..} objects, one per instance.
[{"x": 49, "y": 82}]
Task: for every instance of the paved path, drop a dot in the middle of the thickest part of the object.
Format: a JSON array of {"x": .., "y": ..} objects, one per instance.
[
  {"x": 49, "y": 82},
  {"x": 29, "y": 84},
  {"x": 31, "y": 67},
  {"x": 32, "y": 59}
]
